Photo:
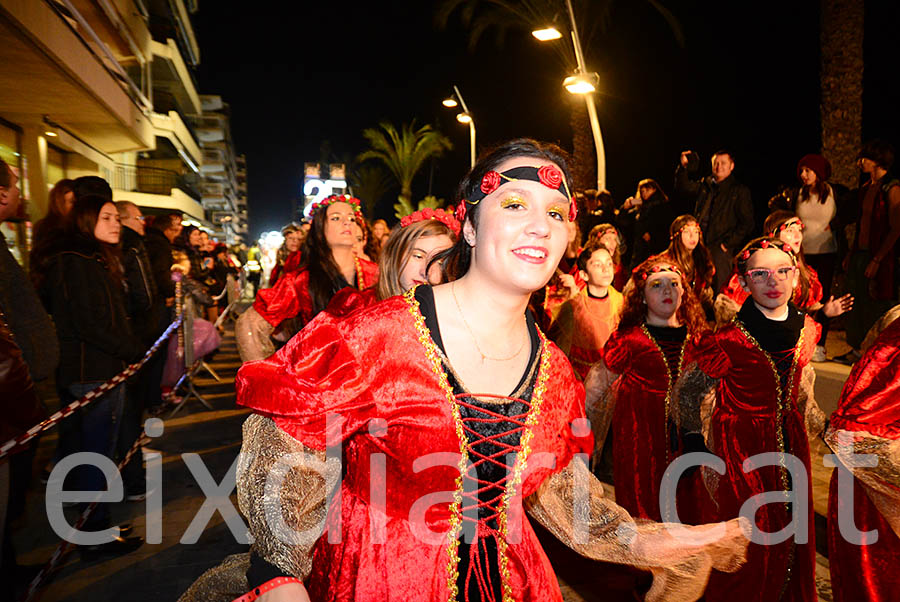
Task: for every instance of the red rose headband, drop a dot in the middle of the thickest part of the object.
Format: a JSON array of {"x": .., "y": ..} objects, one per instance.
[
  {"x": 548, "y": 175},
  {"x": 759, "y": 244},
  {"x": 337, "y": 198},
  {"x": 641, "y": 274},
  {"x": 793, "y": 221},
  {"x": 436, "y": 214},
  {"x": 682, "y": 229}
]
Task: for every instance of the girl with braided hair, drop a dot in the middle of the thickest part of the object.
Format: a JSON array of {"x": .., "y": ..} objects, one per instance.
[{"x": 750, "y": 391}]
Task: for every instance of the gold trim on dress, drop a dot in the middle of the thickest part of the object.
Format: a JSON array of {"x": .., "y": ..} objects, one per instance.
[{"x": 455, "y": 521}]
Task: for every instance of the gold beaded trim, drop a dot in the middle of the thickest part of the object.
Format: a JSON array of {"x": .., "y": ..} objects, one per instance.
[
  {"x": 431, "y": 352},
  {"x": 782, "y": 404},
  {"x": 671, "y": 383},
  {"x": 360, "y": 281}
]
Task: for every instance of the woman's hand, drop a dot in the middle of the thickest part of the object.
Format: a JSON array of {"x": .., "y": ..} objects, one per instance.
[
  {"x": 835, "y": 307},
  {"x": 289, "y": 592}
]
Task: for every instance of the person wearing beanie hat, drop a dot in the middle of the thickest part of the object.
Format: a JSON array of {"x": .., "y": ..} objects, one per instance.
[{"x": 872, "y": 262}]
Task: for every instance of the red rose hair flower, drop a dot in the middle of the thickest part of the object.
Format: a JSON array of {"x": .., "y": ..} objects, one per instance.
[
  {"x": 490, "y": 182},
  {"x": 550, "y": 176}
]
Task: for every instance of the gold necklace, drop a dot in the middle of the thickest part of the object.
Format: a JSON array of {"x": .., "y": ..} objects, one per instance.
[{"x": 484, "y": 356}]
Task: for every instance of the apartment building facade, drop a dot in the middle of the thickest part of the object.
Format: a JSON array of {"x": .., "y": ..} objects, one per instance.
[{"x": 104, "y": 87}]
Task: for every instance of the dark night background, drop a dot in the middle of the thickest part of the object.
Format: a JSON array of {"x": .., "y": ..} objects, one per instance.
[{"x": 298, "y": 74}]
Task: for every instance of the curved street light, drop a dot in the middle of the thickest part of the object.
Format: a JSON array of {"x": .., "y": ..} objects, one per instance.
[
  {"x": 464, "y": 117},
  {"x": 581, "y": 82}
]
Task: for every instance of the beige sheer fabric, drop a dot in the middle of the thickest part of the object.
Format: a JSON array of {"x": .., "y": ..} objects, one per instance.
[
  {"x": 725, "y": 309},
  {"x": 882, "y": 481},
  {"x": 252, "y": 333},
  {"x": 600, "y": 386},
  {"x": 809, "y": 408},
  {"x": 675, "y": 554},
  {"x": 285, "y": 521},
  {"x": 222, "y": 583}
]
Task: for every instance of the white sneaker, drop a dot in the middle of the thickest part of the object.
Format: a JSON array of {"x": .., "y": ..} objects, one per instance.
[{"x": 819, "y": 354}]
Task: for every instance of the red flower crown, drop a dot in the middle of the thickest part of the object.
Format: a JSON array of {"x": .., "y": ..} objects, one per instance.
[
  {"x": 436, "y": 214},
  {"x": 642, "y": 275},
  {"x": 337, "y": 198}
]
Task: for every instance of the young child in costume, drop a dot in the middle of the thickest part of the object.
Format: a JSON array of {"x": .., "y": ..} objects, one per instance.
[
  {"x": 686, "y": 248},
  {"x": 612, "y": 239},
  {"x": 787, "y": 227},
  {"x": 867, "y": 421},
  {"x": 585, "y": 322},
  {"x": 632, "y": 387},
  {"x": 750, "y": 391}
]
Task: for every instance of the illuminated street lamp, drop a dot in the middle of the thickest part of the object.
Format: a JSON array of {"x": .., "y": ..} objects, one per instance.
[
  {"x": 464, "y": 117},
  {"x": 584, "y": 83},
  {"x": 547, "y": 34}
]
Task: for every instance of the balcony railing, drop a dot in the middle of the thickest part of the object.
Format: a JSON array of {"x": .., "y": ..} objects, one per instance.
[{"x": 155, "y": 180}]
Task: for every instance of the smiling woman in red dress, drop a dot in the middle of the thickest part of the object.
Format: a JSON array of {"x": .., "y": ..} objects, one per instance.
[{"x": 453, "y": 414}]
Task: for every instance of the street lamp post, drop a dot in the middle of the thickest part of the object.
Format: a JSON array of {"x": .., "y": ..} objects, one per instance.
[
  {"x": 583, "y": 83},
  {"x": 464, "y": 117}
]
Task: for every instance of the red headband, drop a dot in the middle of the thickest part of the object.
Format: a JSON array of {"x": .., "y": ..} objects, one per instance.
[
  {"x": 765, "y": 244},
  {"x": 681, "y": 229},
  {"x": 548, "y": 175},
  {"x": 788, "y": 224},
  {"x": 642, "y": 275},
  {"x": 436, "y": 214}
]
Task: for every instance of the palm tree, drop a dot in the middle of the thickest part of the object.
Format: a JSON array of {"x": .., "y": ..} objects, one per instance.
[
  {"x": 594, "y": 17},
  {"x": 369, "y": 183},
  {"x": 841, "y": 82},
  {"x": 404, "y": 152}
]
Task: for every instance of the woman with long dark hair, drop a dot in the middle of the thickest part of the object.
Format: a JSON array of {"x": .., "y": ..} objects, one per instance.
[
  {"x": 452, "y": 389},
  {"x": 686, "y": 248},
  {"x": 48, "y": 231},
  {"x": 327, "y": 265},
  {"x": 83, "y": 290}
]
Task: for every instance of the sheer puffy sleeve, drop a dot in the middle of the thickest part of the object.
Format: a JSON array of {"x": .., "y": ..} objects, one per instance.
[
  {"x": 283, "y": 488},
  {"x": 319, "y": 388},
  {"x": 809, "y": 408},
  {"x": 252, "y": 333},
  {"x": 601, "y": 385},
  {"x": 572, "y": 506}
]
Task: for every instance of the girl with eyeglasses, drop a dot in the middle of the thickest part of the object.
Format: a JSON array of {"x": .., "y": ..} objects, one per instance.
[
  {"x": 750, "y": 392},
  {"x": 787, "y": 227}
]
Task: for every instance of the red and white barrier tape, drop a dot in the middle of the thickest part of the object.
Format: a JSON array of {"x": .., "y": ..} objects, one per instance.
[
  {"x": 118, "y": 379},
  {"x": 65, "y": 546}
]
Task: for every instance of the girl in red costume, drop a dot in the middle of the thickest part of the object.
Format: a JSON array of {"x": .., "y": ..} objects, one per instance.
[
  {"x": 686, "y": 248},
  {"x": 287, "y": 259},
  {"x": 327, "y": 265},
  {"x": 404, "y": 260},
  {"x": 757, "y": 371},
  {"x": 453, "y": 414},
  {"x": 867, "y": 421},
  {"x": 660, "y": 323},
  {"x": 787, "y": 227}
]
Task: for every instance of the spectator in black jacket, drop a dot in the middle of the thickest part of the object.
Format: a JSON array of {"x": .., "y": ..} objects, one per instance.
[
  {"x": 147, "y": 310},
  {"x": 652, "y": 214},
  {"x": 161, "y": 235},
  {"x": 84, "y": 288},
  {"x": 722, "y": 207}
]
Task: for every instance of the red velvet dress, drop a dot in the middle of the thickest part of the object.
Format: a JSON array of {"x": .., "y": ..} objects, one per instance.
[
  {"x": 870, "y": 403},
  {"x": 743, "y": 424},
  {"x": 379, "y": 371},
  {"x": 291, "y": 264},
  {"x": 642, "y": 445},
  {"x": 290, "y": 298},
  {"x": 733, "y": 290}
]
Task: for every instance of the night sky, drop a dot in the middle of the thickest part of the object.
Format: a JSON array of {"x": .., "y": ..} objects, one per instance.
[{"x": 299, "y": 74}]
